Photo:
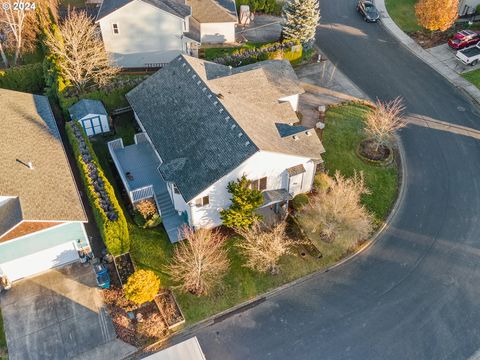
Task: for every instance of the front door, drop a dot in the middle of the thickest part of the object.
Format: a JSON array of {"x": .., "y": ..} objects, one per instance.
[{"x": 295, "y": 184}]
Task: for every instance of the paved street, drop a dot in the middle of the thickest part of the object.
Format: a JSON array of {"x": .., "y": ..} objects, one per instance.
[{"x": 415, "y": 293}]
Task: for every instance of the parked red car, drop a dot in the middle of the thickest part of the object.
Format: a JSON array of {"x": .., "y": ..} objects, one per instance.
[{"x": 463, "y": 39}]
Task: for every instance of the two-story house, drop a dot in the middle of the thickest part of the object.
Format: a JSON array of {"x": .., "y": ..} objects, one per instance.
[
  {"x": 206, "y": 125},
  {"x": 41, "y": 215},
  {"x": 150, "y": 33}
]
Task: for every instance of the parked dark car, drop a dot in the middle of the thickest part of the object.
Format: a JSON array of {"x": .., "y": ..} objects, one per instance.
[
  {"x": 368, "y": 11},
  {"x": 463, "y": 39}
]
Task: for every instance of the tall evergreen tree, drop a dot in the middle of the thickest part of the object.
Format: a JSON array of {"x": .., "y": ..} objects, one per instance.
[{"x": 301, "y": 20}]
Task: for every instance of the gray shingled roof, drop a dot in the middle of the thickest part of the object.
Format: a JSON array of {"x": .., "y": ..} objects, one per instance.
[
  {"x": 10, "y": 213},
  {"x": 196, "y": 137},
  {"x": 85, "y": 107},
  {"x": 29, "y": 133},
  {"x": 205, "y": 119},
  {"x": 173, "y": 7}
]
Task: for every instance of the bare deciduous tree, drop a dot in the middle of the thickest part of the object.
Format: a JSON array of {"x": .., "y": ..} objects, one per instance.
[
  {"x": 20, "y": 24},
  {"x": 384, "y": 120},
  {"x": 337, "y": 209},
  {"x": 263, "y": 247},
  {"x": 199, "y": 261},
  {"x": 83, "y": 58}
]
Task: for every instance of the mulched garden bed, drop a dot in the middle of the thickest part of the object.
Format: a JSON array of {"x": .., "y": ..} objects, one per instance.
[
  {"x": 137, "y": 325},
  {"x": 169, "y": 309},
  {"x": 124, "y": 266},
  {"x": 369, "y": 150}
]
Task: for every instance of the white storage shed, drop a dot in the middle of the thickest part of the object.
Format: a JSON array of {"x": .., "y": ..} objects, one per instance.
[{"x": 91, "y": 114}]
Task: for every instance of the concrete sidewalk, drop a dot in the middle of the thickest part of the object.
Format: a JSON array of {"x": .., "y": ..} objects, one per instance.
[{"x": 436, "y": 63}]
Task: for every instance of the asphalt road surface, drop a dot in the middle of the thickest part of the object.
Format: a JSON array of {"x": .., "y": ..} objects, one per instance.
[{"x": 415, "y": 294}]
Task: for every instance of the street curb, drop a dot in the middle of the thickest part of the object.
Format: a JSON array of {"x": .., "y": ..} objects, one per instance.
[
  {"x": 190, "y": 331},
  {"x": 456, "y": 80}
]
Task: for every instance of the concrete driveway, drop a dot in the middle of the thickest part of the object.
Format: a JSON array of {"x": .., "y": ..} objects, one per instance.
[
  {"x": 59, "y": 315},
  {"x": 446, "y": 55},
  {"x": 264, "y": 28}
]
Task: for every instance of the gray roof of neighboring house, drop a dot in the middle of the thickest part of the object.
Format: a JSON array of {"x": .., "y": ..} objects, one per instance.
[
  {"x": 205, "y": 119},
  {"x": 10, "y": 213},
  {"x": 85, "y": 107},
  {"x": 213, "y": 11},
  {"x": 173, "y": 7},
  {"x": 30, "y": 134}
]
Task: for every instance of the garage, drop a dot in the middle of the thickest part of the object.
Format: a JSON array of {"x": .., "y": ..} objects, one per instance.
[{"x": 41, "y": 251}]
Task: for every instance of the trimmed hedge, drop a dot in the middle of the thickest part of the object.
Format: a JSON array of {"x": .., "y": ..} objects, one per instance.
[
  {"x": 300, "y": 201},
  {"x": 107, "y": 211},
  {"x": 27, "y": 78},
  {"x": 288, "y": 50}
]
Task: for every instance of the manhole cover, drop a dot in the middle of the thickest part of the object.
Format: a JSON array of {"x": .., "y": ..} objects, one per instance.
[{"x": 460, "y": 108}]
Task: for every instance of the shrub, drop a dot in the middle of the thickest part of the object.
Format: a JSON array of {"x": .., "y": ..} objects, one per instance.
[
  {"x": 146, "y": 214},
  {"x": 337, "y": 210},
  {"x": 142, "y": 286},
  {"x": 106, "y": 209},
  {"x": 263, "y": 247},
  {"x": 241, "y": 213},
  {"x": 288, "y": 50},
  {"x": 26, "y": 78},
  {"x": 199, "y": 262},
  {"x": 300, "y": 201},
  {"x": 264, "y": 6}
]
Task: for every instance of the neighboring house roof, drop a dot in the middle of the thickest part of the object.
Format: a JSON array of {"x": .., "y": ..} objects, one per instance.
[
  {"x": 213, "y": 11},
  {"x": 30, "y": 134},
  {"x": 10, "y": 213},
  {"x": 173, "y": 7},
  {"x": 205, "y": 119},
  {"x": 85, "y": 107}
]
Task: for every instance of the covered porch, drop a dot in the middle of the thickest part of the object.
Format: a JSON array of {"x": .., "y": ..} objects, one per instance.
[
  {"x": 137, "y": 166},
  {"x": 275, "y": 206}
]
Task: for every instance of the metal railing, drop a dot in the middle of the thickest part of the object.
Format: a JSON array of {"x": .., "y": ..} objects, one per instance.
[
  {"x": 142, "y": 193},
  {"x": 140, "y": 138}
]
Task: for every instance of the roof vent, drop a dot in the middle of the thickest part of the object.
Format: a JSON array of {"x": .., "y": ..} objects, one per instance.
[
  {"x": 227, "y": 118},
  {"x": 233, "y": 126},
  {"x": 240, "y": 135},
  {"x": 179, "y": 58},
  {"x": 308, "y": 133},
  {"x": 291, "y": 124},
  {"x": 28, "y": 165},
  {"x": 247, "y": 143},
  {"x": 199, "y": 82},
  {"x": 215, "y": 102},
  {"x": 220, "y": 111},
  {"x": 295, "y": 137},
  {"x": 204, "y": 89},
  {"x": 209, "y": 96},
  {"x": 194, "y": 76},
  {"x": 184, "y": 64}
]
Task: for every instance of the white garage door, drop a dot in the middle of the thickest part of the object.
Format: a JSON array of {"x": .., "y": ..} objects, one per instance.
[{"x": 40, "y": 261}]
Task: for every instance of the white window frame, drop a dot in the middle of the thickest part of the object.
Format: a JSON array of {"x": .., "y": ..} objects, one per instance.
[{"x": 201, "y": 201}]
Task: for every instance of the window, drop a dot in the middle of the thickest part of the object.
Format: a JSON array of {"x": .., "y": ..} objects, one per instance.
[
  {"x": 115, "y": 29},
  {"x": 203, "y": 201},
  {"x": 175, "y": 189},
  {"x": 259, "y": 184}
]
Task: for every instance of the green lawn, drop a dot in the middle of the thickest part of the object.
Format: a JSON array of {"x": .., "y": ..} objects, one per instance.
[
  {"x": 343, "y": 132},
  {"x": 403, "y": 13},
  {"x": 473, "y": 77},
  {"x": 3, "y": 341}
]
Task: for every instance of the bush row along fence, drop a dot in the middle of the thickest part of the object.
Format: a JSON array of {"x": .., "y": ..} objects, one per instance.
[
  {"x": 27, "y": 78},
  {"x": 107, "y": 211},
  {"x": 287, "y": 50}
]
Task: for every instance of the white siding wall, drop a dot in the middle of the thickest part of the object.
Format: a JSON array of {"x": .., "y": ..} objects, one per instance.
[
  {"x": 103, "y": 120},
  {"x": 272, "y": 165},
  {"x": 293, "y": 100},
  {"x": 147, "y": 35},
  {"x": 217, "y": 32}
]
